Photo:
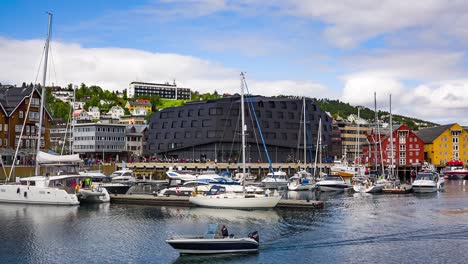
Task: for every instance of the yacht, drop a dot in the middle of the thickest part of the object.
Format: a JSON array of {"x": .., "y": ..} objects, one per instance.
[
  {"x": 121, "y": 181},
  {"x": 332, "y": 183},
  {"x": 276, "y": 180},
  {"x": 455, "y": 170},
  {"x": 427, "y": 182}
]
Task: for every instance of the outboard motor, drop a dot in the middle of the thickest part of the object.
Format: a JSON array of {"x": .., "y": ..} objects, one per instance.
[{"x": 254, "y": 235}]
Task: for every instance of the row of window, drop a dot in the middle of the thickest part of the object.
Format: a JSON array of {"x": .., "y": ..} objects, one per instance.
[
  {"x": 99, "y": 138},
  {"x": 26, "y": 143},
  {"x": 100, "y": 129},
  {"x": 98, "y": 147}
]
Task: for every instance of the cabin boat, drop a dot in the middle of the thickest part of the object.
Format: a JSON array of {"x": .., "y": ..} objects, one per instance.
[
  {"x": 332, "y": 183},
  {"x": 276, "y": 180},
  {"x": 428, "y": 182},
  {"x": 213, "y": 242}
]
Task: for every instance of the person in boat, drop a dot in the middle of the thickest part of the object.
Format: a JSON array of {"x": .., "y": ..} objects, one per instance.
[{"x": 224, "y": 231}]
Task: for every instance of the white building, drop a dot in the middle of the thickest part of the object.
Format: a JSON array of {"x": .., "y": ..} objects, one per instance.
[
  {"x": 94, "y": 112},
  {"x": 81, "y": 116},
  {"x": 64, "y": 96},
  {"x": 116, "y": 112},
  {"x": 166, "y": 91},
  {"x": 139, "y": 111}
]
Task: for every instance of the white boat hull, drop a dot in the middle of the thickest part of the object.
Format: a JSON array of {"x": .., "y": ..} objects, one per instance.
[
  {"x": 235, "y": 201},
  {"x": 36, "y": 195},
  {"x": 370, "y": 189},
  {"x": 275, "y": 185},
  {"x": 300, "y": 187},
  {"x": 427, "y": 186}
]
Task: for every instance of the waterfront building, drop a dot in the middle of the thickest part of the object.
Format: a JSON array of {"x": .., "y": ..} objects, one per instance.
[
  {"x": 78, "y": 105},
  {"x": 408, "y": 147},
  {"x": 136, "y": 139},
  {"x": 445, "y": 143},
  {"x": 166, "y": 91},
  {"x": 103, "y": 141},
  {"x": 13, "y": 108},
  {"x": 210, "y": 130},
  {"x": 139, "y": 103},
  {"x": 351, "y": 141},
  {"x": 337, "y": 147},
  {"x": 63, "y": 95},
  {"x": 60, "y": 136}
]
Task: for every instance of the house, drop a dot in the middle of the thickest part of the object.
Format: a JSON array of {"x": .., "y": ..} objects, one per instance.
[
  {"x": 13, "y": 112},
  {"x": 94, "y": 112},
  {"x": 408, "y": 147},
  {"x": 133, "y": 119},
  {"x": 116, "y": 112},
  {"x": 445, "y": 143},
  {"x": 81, "y": 116},
  {"x": 78, "y": 105},
  {"x": 135, "y": 142},
  {"x": 140, "y": 103},
  {"x": 139, "y": 111}
]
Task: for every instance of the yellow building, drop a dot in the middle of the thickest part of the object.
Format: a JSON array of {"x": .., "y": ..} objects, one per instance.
[
  {"x": 444, "y": 143},
  {"x": 140, "y": 103}
]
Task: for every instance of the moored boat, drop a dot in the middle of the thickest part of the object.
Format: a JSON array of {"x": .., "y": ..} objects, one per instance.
[
  {"x": 332, "y": 183},
  {"x": 427, "y": 182}
]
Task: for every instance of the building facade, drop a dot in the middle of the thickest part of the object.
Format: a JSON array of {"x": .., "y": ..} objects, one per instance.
[
  {"x": 408, "y": 147},
  {"x": 211, "y": 130},
  {"x": 166, "y": 91},
  {"x": 102, "y": 141},
  {"x": 445, "y": 143},
  {"x": 136, "y": 135},
  {"x": 14, "y": 110},
  {"x": 132, "y": 105},
  {"x": 353, "y": 136},
  {"x": 116, "y": 112}
]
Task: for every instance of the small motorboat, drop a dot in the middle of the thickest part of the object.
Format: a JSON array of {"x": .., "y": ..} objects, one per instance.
[
  {"x": 213, "y": 242},
  {"x": 428, "y": 182},
  {"x": 332, "y": 183},
  {"x": 276, "y": 180}
]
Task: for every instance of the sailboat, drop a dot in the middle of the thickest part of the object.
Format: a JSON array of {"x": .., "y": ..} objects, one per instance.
[
  {"x": 302, "y": 180},
  {"x": 58, "y": 187},
  {"x": 217, "y": 197}
]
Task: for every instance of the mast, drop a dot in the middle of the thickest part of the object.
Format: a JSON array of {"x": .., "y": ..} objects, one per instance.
[
  {"x": 356, "y": 148},
  {"x": 391, "y": 138},
  {"x": 375, "y": 138},
  {"x": 305, "y": 139},
  {"x": 41, "y": 111},
  {"x": 243, "y": 128},
  {"x": 319, "y": 145}
]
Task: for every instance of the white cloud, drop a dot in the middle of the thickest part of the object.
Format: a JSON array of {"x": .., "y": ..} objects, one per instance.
[{"x": 115, "y": 68}]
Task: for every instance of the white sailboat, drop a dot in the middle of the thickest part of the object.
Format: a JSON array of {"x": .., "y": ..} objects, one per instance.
[
  {"x": 58, "y": 186},
  {"x": 302, "y": 180},
  {"x": 217, "y": 197}
]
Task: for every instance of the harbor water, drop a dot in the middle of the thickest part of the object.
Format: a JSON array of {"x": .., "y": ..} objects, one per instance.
[{"x": 352, "y": 228}]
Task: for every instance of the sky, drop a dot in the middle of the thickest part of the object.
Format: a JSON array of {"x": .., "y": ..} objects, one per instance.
[{"x": 343, "y": 49}]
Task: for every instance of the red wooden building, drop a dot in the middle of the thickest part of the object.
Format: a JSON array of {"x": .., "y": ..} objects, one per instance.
[{"x": 408, "y": 148}]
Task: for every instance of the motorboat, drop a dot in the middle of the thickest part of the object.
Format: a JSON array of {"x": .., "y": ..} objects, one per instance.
[
  {"x": 428, "y": 182},
  {"x": 182, "y": 175},
  {"x": 276, "y": 180},
  {"x": 121, "y": 181},
  {"x": 455, "y": 170},
  {"x": 301, "y": 181},
  {"x": 217, "y": 197},
  {"x": 366, "y": 185},
  {"x": 332, "y": 183},
  {"x": 247, "y": 176},
  {"x": 94, "y": 193},
  {"x": 213, "y": 242}
]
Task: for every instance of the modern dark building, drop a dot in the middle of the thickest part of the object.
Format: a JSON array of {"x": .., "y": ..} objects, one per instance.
[
  {"x": 166, "y": 91},
  {"x": 211, "y": 130}
]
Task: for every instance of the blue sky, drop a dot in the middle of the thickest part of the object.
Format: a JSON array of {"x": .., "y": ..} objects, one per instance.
[{"x": 339, "y": 49}]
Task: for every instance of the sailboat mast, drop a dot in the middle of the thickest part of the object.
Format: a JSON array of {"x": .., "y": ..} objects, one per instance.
[
  {"x": 375, "y": 138},
  {"x": 305, "y": 139},
  {"x": 391, "y": 138},
  {"x": 319, "y": 144},
  {"x": 41, "y": 111},
  {"x": 243, "y": 130}
]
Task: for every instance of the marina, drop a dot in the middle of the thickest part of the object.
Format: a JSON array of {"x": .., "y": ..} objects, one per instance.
[{"x": 351, "y": 228}]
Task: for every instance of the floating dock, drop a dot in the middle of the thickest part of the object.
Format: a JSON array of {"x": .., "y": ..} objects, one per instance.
[{"x": 184, "y": 201}]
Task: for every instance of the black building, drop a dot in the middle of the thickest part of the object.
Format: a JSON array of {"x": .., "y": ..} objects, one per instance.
[
  {"x": 211, "y": 130},
  {"x": 166, "y": 91}
]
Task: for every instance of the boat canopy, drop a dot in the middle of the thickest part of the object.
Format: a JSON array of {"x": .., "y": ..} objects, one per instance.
[{"x": 45, "y": 158}]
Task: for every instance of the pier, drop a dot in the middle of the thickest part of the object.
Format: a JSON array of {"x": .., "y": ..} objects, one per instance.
[{"x": 183, "y": 201}]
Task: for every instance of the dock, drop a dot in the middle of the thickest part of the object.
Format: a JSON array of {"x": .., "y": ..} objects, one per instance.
[{"x": 183, "y": 201}]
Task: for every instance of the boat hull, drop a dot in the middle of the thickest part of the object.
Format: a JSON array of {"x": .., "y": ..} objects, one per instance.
[
  {"x": 370, "y": 189},
  {"x": 36, "y": 195},
  {"x": 300, "y": 187},
  {"x": 100, "y": 195},
  {"x": 275, "y": 185},
  {"x": 332, "y": 187},
  {"x": 214, "y": 246},
  {"x": 117, "y": 188},
  {"x": 235, "y": 201}
]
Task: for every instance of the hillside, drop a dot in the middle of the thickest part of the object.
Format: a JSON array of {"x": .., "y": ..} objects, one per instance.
[{"x": 93, "y": 95}]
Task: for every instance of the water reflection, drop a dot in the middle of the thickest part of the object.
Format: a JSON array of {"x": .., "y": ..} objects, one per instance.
[{"x": 225, "y": 258}]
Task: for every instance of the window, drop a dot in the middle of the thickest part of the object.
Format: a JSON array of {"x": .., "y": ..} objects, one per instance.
[
  {"x": 188, "y": 134},
  {"x": 266, "y": 124},
  {"x": 291, "y": 115},
  {"x": 216, "y": 111},
  {"x": 167, "y": 135},
  {"x": 226, "y": 122},
  {"x": 194, "y": 123},
  {"x": 198, "y": 134},
  {"x": 402, "y": 161},
  {"x": 268, "y": 114},
  {"x": 5, "y": 142},
  {"x": 5, "y": 126},
  {"x": 164, "y": 125},
  {"x": 280, "y": 115},
  {"x": 21, "y": 114},
  {"x": 201, "y": 112},
  {"x": 277, "y": 125},
  {"x": 177, "y": 135},
  {"x": 402, "y": 147},
  {"x": 18, "y": 128},
  {"x": 206, "y": 123},
  {"x": 174, "y": 124},
  {"x": 284, "y": 136},
  {"x": 190, "y": 112}
]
